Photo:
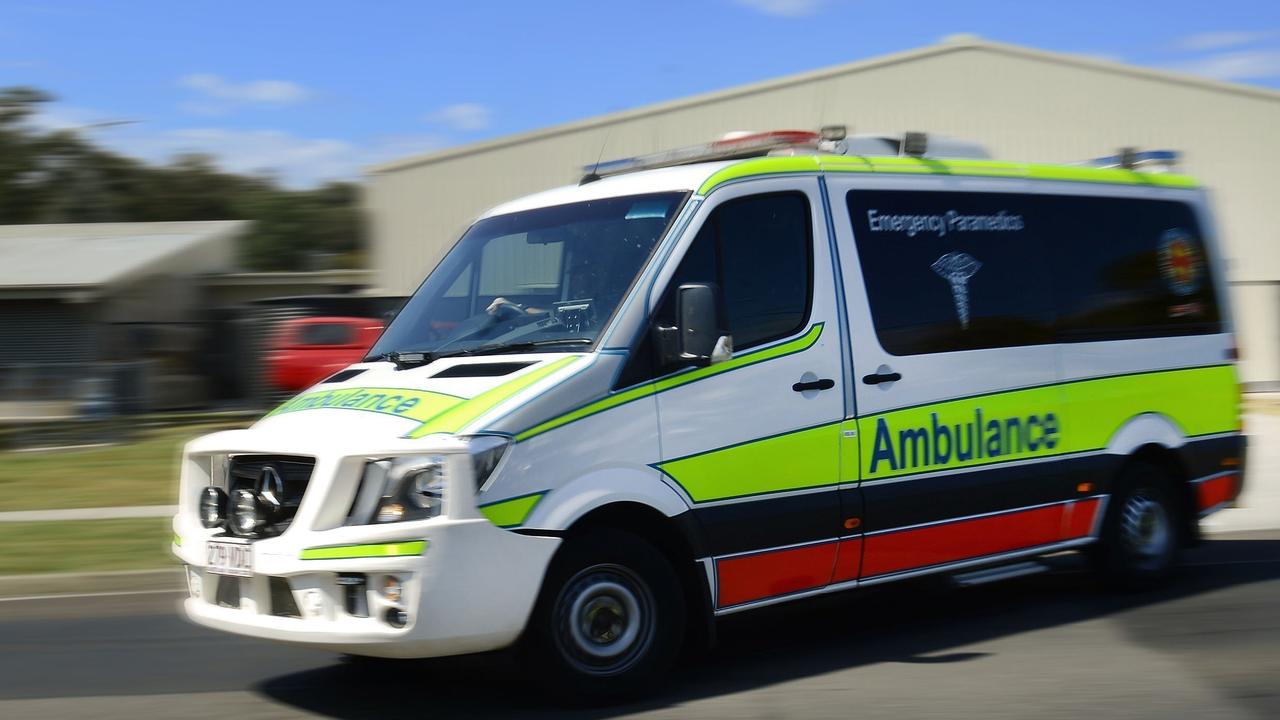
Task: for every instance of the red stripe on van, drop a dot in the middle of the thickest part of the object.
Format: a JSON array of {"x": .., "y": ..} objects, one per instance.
[
  {"x": 1217, "y": 490},
  {"x": 848, "y": 560},
  {"x": 1080, "y": 518},
  {"x": 936, "y": 544},
  {"x": 753, "y": 577}
]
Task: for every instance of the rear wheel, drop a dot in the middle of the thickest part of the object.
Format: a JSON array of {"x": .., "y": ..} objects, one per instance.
[
  {"x": 1140, "y": 537},
  {"x": 609, "y": 620}
]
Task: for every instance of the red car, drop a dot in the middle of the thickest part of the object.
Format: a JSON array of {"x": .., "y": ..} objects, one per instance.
[{"x": 307, "y": 350}]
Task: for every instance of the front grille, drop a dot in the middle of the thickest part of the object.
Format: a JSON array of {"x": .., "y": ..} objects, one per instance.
[{"x": 246, "y": 472}]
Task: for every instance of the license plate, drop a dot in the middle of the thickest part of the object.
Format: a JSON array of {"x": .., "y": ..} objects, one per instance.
[{"x": 224, "y": 558}]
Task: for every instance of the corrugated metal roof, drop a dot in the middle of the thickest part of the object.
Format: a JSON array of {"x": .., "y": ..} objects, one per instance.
[{"x": 95, "y": 254}]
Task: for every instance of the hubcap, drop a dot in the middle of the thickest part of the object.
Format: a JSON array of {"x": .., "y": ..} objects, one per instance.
[
  {"x": 604, "y": 619},
  {"x": 1145, "y": 527}
]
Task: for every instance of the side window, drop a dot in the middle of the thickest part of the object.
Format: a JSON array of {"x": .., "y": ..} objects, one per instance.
[
  {"x": 759, "y": 250},
  {"x": 326, "y": 334},
  {"x": 1131, "y": 268},
  {"x": 949, "y": 271}
]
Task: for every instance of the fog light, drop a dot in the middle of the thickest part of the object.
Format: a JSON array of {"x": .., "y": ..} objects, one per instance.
[
  {"x": 213, "y": 504},
  {"x": 392, "y": 591},
  {"x": 313, "y": 603},
  {"x": 397, "y": 618}
]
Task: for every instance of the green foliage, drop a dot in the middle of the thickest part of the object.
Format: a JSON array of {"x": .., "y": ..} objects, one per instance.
[{"x": 59, "y": 177}]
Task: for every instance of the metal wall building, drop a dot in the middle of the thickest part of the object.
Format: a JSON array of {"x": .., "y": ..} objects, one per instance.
[{"x": 1022, "y": 104}]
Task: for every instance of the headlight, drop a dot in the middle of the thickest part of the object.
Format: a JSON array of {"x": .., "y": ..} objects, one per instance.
[
  {"x": 213, "y": 506},
  {"x": 413, "y": 487},
  {"x": 246, "y": 516}
]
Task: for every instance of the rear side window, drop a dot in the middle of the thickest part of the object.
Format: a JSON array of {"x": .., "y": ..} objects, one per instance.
[
  {"x": 952, "y": 271},
  {"x": 326, "y": 334},
  {"x": 1131, "y": 269},
  {"x": 964, "y": 271}
]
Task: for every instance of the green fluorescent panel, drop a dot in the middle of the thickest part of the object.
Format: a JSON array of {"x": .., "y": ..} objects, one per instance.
[
  {"x": 926, "y": 166},
  {"x": 511, "y": 513},
  {"x": 802, "y": 459},
  {"x": 1083, "y": 415},
  {"x": 349, "y": 552}
]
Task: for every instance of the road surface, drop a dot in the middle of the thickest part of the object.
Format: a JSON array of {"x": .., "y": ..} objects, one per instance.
[{"x": 1049, "y": 646}]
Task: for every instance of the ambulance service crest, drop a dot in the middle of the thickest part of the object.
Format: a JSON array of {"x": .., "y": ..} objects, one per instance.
[{"x": 1181, "y": 262}]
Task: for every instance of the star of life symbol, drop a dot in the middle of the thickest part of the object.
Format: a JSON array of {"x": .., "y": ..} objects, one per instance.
[{"x": 956, "y": 268}]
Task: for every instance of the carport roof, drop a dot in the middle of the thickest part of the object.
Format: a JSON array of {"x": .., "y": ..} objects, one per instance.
[{"x": 91, "y": 255}]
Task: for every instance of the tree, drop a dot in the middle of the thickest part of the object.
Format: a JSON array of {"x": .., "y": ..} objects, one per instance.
[{"x": 58, "y": 176}]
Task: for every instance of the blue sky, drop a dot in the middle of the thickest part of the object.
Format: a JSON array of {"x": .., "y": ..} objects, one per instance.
[{"x": 315, "y": 90}]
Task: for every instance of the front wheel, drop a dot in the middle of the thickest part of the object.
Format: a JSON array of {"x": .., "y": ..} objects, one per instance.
[
  {"x": 1140, "y": 538},
  {"x": 609, "y": 620}
]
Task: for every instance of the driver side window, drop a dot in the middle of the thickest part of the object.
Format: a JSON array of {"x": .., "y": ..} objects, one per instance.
[{"x": 759, "y": 251}]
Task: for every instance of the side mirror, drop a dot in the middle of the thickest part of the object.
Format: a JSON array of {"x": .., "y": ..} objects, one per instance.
[{"x": 701, "y": 338}]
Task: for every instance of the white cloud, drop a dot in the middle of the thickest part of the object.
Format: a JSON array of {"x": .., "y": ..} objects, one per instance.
[
  {"x": 782, "y": 8},
  {"x": 1238, "y": 65},
  {"x": 461, "y": 116},
  {"x": 254, "y": 92},
  {"x": 1221, "y": 39},
  {"x": 296, "y": 161}
]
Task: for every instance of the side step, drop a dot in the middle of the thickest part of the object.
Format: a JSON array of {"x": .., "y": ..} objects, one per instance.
[{"x": 998, "y": 573}]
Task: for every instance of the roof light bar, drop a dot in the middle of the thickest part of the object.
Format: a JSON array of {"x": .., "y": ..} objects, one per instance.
[{"x": 734, "y": 145}]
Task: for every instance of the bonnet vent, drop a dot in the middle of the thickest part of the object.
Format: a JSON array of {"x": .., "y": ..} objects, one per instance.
[
  {"x": 342, "y": 375},
  {"x": 481, "y": 369}
]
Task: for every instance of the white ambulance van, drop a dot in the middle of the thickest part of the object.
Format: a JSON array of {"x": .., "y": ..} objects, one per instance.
[{"x": 725, "y": 377}]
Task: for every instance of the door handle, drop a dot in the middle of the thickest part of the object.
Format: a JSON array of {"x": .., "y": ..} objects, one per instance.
[
  {"x": 881, "y": 377},
  {"x": 823, "y": 384}
]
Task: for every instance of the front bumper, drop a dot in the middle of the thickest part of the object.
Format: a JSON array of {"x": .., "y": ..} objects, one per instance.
[
  {"x": 470, "y": 587},
  {"x": 471, "y": 590}
]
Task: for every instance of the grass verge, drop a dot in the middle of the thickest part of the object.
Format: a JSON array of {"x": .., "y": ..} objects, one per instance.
[
  {"x": 141, "y": 472},
  {"x": 85, "y": 546}
]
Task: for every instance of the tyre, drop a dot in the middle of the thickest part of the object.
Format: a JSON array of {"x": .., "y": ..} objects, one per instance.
[
  {"x": 1140, "y": 534},
  {"x": 609, "y": 620}
]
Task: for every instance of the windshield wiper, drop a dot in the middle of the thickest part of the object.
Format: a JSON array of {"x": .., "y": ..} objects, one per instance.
[
  {"x": 498, "y": 348},
  {"x": 418, "y": 358}
]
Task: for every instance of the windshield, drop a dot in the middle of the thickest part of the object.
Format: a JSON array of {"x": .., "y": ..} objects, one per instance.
[{"x": 548, "y": 278}]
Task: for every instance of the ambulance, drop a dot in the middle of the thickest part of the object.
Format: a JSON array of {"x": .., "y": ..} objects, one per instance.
[{"x": 719, "y": 378}]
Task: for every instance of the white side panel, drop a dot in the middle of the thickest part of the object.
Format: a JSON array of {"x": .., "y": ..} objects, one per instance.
[
  {"x": 1118, "y": 357},
  {"x": 603, "y": 453}
]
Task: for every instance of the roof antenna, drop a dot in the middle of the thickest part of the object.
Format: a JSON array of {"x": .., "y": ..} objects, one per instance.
[{"x": 593, "y": 175}]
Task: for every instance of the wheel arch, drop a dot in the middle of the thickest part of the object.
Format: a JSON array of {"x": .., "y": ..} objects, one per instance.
[
  {"x": 678, "y": 539},
  {"x": 1156, "y": 439}
]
